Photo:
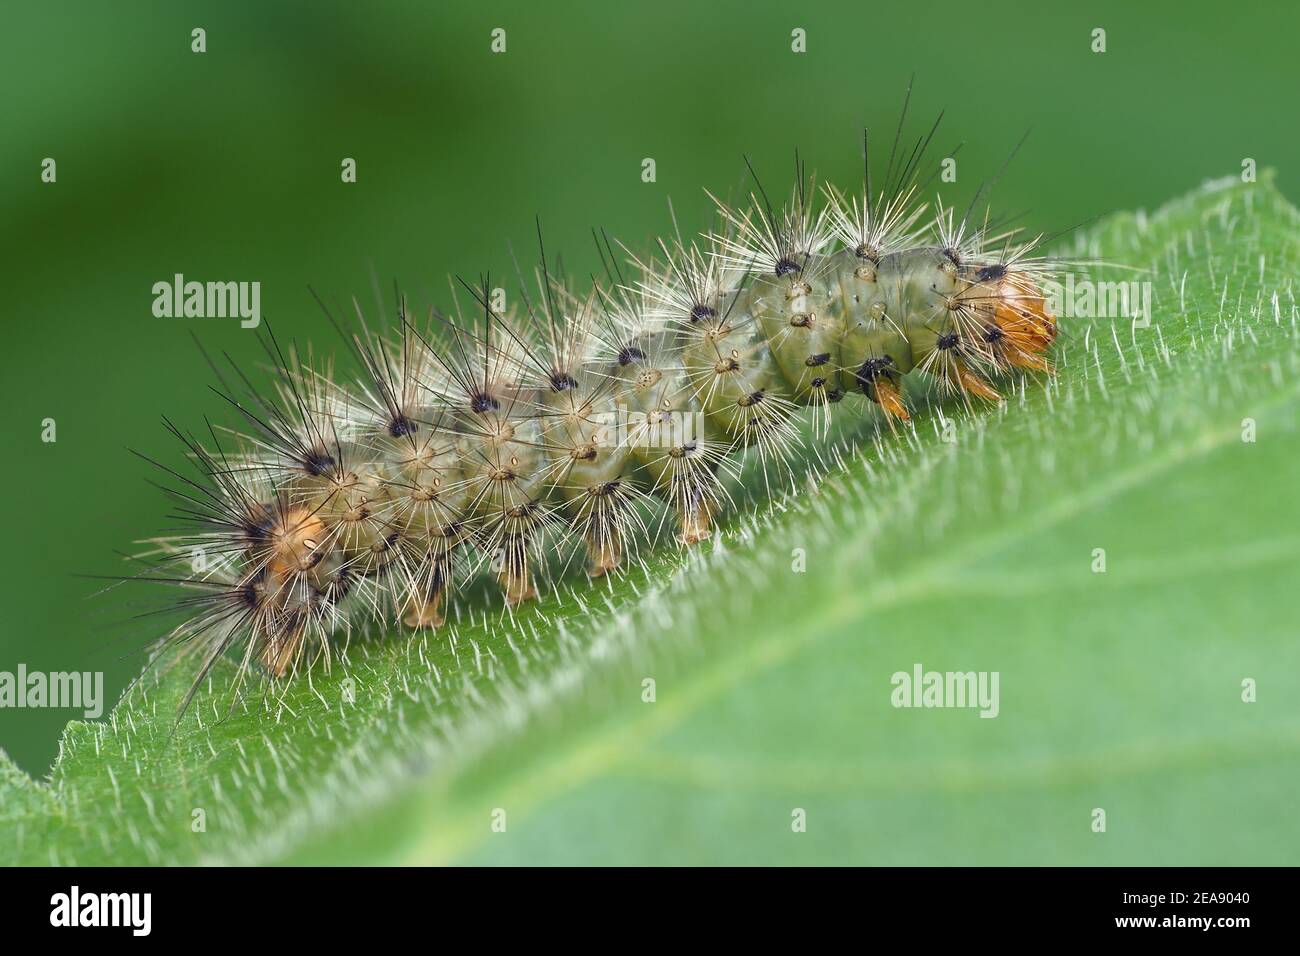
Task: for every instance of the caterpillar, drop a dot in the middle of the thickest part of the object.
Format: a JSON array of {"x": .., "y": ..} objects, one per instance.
[{"x": 580, "y": 420}]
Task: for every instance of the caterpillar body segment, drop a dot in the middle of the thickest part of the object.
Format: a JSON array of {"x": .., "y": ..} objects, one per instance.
[{"x": 482, "y": 444}]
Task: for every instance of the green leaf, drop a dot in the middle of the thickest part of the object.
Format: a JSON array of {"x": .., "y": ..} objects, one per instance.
[{"x": 1119, "y": 691}]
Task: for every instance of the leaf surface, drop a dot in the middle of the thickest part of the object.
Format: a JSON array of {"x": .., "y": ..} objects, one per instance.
[{"x": 1120, "y": 690}]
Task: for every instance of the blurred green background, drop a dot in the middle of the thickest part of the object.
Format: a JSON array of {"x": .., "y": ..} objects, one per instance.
[{"x": 225, "y": 166}]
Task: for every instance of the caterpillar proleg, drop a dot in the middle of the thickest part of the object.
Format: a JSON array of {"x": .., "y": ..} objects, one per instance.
[{"x": 482, "y": 438}]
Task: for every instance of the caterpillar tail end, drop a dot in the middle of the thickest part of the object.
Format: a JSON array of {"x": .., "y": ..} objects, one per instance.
[{"x": 1028, "y": 326}]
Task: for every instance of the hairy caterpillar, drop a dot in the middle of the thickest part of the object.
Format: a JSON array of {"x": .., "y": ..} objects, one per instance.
[{"x": 486, "y": 437}]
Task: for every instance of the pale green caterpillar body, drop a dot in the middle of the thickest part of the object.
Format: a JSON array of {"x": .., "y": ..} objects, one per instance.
[{"x": 485, "y": 438}]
